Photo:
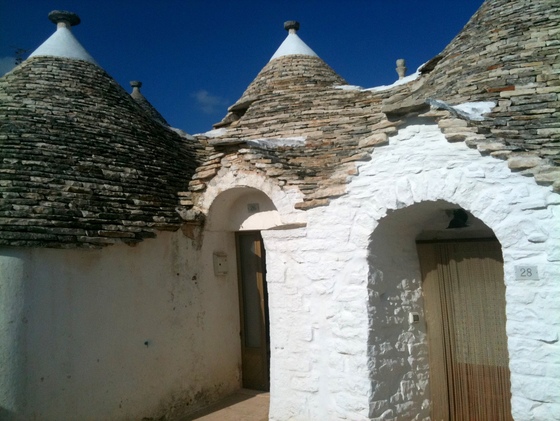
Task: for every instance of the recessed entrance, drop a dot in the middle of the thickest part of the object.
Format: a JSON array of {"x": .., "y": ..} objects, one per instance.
[
  {"x": 253, "y": 304},
  {"x": 464, "y": 299}
]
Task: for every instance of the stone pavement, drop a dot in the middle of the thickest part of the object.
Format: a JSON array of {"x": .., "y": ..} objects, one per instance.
[{"x": 243, "y": 405}]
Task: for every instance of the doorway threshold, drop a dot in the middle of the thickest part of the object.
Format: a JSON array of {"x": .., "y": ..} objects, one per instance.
[{"x": 243, "y": 405}]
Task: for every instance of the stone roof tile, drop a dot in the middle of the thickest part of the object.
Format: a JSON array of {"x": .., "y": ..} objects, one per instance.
[
  {"x": 81, "y": 165},
  {"x": 508, "y": 53}
]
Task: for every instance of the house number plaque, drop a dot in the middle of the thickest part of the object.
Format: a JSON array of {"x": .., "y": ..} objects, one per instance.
[{"x": 526, "y": 272}]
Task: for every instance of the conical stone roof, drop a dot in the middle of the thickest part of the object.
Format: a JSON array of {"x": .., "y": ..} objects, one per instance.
[
  {"x": 82, "y": 165},
  {"x": 506, "y": 57},
  {"x": 294, "y": 70}
]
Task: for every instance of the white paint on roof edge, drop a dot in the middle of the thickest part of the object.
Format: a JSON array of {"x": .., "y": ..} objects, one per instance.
[
  {"x": 293, "y": 45},
  {"x": 349, "y": 87},
  {"x": 272, "y": 143},
  {"x": 475, "y": 110},
  {"x": 402, "y": 81},
  {"x": 398, "y": 82},
  {"x": 63, "y": 44},
  {"x": 181, "y": 133},
  {"x": 214, "y": 133}
]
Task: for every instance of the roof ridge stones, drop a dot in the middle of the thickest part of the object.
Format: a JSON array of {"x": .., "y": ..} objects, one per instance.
[{"x": 508, "y": 53}]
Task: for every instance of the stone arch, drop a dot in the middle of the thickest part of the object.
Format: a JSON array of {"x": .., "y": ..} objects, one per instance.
[
  {"x": 398, "y": 350},
  {"x": 237, "y": 204},
  {"x": 242, "y": 209},
  {"x": 228, "y": 187},
  {"x": 418, "y": 166}
]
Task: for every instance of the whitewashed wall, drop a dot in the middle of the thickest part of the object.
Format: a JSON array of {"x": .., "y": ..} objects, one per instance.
[
  {"x": 116, "y": 334},
  {"x": 128, "y": 332},
  {"x": 341, "y": 287}
]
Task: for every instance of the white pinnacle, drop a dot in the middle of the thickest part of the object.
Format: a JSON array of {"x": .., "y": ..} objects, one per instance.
[{"x": 293, "y": 44}]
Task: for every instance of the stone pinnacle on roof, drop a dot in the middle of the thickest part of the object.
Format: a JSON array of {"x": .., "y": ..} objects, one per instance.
[
  {"x": 292, "y": 26},
  {"x": 401, "y": 68},
  {"x": 144, "y": 103},
  {"x": 64, "y": 18},
  {"x": 63, "y": 43},
  {"x": 293, "y": 44}
]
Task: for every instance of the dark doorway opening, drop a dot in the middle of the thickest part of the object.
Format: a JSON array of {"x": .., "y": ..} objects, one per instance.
[{"x": 253, "y": 305}]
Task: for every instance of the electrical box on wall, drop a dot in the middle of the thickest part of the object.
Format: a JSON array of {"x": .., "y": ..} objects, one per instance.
[
  {"x": 220, "y": 263},
  {"x": 253, "y": 207},
  {"x": 413, "y": 318}
]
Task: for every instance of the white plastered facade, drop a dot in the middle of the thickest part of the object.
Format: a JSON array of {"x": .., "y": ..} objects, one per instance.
[
  {"x": 115, "y": 334},
  {"x": 342, "y": 282}
]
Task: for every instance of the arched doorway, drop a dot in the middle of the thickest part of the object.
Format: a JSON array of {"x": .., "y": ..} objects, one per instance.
[
  {"x": 238, "y": 215},
  {"x": 411, "y": 366}
]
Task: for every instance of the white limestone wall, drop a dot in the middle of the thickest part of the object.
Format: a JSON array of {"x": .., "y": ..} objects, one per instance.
[
  {"x": 420, "y": 165},
  {"x": 12, "y": 331},
  {"x": 341, "y": 288},
  {"x": 319, "y": 326},
  {"x": 116, "y": 334}
]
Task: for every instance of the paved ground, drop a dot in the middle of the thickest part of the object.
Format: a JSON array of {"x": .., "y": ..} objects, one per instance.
[{"x": 244, "y": 405}]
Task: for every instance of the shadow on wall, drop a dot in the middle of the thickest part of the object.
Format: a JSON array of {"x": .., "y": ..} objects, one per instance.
[
  {"x": 6, "y": 414},
  {"x": 242, "y": 209},
  {"x": 398, "y": 349}
]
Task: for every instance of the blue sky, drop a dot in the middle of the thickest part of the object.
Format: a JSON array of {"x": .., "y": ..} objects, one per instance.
[{"x": 196, "y": 57}]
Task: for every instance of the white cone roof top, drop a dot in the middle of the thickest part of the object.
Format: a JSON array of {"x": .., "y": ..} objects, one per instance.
[
  {"x": 63, "y": 43},
  {"x": 293, "y": 44}
]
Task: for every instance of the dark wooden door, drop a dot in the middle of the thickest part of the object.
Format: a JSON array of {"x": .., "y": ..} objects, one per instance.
[{"x": 253, "y": 303}]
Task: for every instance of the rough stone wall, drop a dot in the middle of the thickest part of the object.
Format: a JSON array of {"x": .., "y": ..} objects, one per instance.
[
  {"x": 521, "y": 215},
  {"x": 334, "y": 355}
]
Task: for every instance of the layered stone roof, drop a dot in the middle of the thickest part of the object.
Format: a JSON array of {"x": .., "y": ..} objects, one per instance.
[
  {"x": 283, "y": 82},
  {"x": 82, "y": 165},
  {"x": 508, "y": 53},
  {"x": 507, "y": 56}
]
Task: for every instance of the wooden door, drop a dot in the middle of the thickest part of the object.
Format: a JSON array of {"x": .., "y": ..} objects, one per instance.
[
  {"x": 464, "y": 298},
  {"x": 253, "y": 304}
]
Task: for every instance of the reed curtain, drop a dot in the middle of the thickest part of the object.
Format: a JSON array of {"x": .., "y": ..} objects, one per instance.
[{"x": 464, "y": 298}]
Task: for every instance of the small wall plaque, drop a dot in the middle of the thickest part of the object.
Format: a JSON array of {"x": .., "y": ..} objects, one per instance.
[
  {"x": 413, "y": 318},
  {"x": 526, "y": 273},
  {"x": 220, "y": 263},
  {"x": 253, "y": 207}
]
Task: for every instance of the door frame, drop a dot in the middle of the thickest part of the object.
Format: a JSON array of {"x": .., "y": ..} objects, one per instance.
[
  {"x": 262, "y": 353},
  {"x": 441, "y": 387}
]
